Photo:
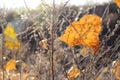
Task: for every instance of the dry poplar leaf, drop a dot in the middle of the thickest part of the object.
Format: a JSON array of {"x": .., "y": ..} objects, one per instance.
[
  {"x": 24, "y": 76},
  {"x": 10, "y": 37},
  {"x": 14, "y": 78},
  {"x": 117, "y": 3},
  {"x": 101, "y": 75},
  {"x": 83, "y": 32},
  {"x": 11, "y": 65},
  {"x": 43, "y": 44},
  {"x": 116, "y": 70},
  {"x": 23, "y": 64},
  {"x": 83, "y": 51},
  {"x": 73, "y": 72}
]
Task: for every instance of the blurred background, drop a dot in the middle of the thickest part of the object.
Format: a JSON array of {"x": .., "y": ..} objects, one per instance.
[{"x": 32, "y": 26}]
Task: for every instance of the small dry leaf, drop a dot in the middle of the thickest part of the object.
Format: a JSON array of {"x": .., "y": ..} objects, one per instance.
[
  {"x": 10, "y": 37},
  {"x": 83, "y": 51},
  {"x": 116, "y": 70},
  {"x": 101, "y": 75},
  {"x": 117, "y": 3},
  {"x": 83, "y": 32},
  {"x": 23, "y": 64},
  {"x": 73, "y": 72},
  {"x": 11, "y": 65},
  {"x": 43, "y": 44},
  {"x": 24, "y": 76},
  {"x": 14, "y": 78}
]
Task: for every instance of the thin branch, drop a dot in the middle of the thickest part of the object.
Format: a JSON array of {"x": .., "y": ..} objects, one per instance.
[
  {"x": 52, "y": 46},
  {"x": 106, "y": 9},
  {"x": 64, "y": 5},
  {"x": 2, "y": 54},
  {"x": 28, "y": 10}
]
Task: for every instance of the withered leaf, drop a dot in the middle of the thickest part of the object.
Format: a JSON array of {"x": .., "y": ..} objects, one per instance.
[
  {"x": 11, "y": 65},
  {"x": 73, "y": 72},
  {"x": 116, "y": 70},
  {"x": 117, "y": 3},
  {"x": 83, "y": 32},
  {"x": 10, "y": 38}
]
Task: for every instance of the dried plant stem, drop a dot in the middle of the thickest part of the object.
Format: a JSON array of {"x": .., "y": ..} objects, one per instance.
[
  {"x": 40, "y": 63},
  {"x": 2, "y": 55},
  {"x": 28, "y": 10},
  {"x": 52, "y": 43}
]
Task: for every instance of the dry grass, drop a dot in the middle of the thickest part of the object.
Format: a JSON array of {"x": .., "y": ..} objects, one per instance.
[{"x": 33, "y": 60}]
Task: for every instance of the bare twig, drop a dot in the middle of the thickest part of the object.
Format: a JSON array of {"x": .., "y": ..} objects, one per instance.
[
  {"x": 52, "y": 46},
  {"x": 106, "y": 9},
  {"x": 2, "y": 54},
  {"x": 28, "y": 10},
  {"x": 64, "y": 5}
]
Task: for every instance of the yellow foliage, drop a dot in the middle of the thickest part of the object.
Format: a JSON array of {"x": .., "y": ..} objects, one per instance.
[
  {"x": 10, "y": 37},
  {"x": 117, "y": 3},
  {"x": 116, "y": 70},
  {"x": 11, "y": 65},
  {"x": 83, "y": 32},
  {"x": 73, "y": 72}
]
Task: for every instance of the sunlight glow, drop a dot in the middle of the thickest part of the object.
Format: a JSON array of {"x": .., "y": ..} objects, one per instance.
[{"x": 34, "y": 3}]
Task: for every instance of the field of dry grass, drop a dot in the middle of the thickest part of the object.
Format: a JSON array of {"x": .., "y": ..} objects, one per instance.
[{"x": 43, "y": 56}]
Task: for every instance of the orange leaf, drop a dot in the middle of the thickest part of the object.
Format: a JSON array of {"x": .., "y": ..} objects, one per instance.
[
  {"x": 11, "y": 65},
  {"x": 73, "y": 72},
  {"x": 83, "y": 32},
  {"x": 43, "y": 44},
  {"x": 117, "y": 3}
]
